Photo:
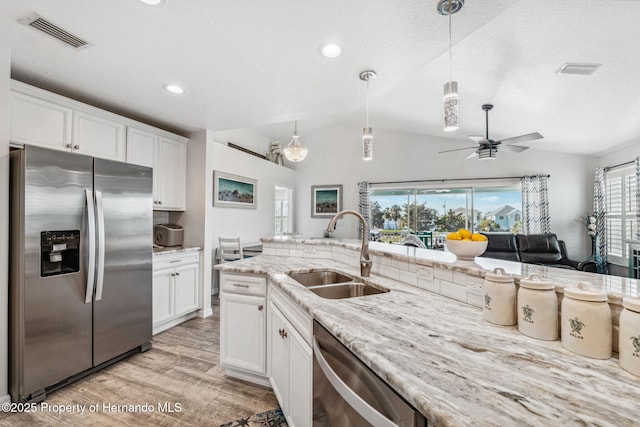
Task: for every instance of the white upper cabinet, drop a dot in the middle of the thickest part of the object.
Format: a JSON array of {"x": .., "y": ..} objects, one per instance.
[
  {"x": 39, "y": 117},
  {"x": 141, "y": 147},
  {"x": 168, "y": 157},
  {"x": 98, "y": 136},
  {"x": 171, "y": 164},
  {"x": 39, "y": 122}
]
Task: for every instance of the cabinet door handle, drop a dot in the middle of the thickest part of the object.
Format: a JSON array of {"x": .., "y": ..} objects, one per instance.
[
  {"x": 260, "y": 307},
  {"x": 284, "y": 334},
  {"x": 68, "y": 145},
  {"x": 173, "y": 274},
  {"x": 159, "y": 202},
  {"x": 177, "y": 274},
  {"x": 76, "y": 147},
  {"x": 280, "y": 331},
  {"x": 241, "y": 285}
]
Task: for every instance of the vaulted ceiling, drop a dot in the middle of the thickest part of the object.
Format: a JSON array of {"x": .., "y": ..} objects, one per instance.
[{"x": 255, "y": 64}]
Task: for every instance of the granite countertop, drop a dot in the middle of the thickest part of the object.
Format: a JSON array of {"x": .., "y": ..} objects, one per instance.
[
  {"x": 164, "y": 250},
  {"x": 454, "y": 367},
  {"x": 615, "y": 286}
]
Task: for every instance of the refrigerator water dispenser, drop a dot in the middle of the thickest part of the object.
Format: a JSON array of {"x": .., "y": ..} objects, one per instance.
[{"x": 59, "y": 252}]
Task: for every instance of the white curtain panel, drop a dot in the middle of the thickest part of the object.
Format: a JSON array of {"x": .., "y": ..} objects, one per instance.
[
  {"x": 364, "y": 191},
  {"x": 600, "y": 212},
  {"x": 535, "y": 205}
]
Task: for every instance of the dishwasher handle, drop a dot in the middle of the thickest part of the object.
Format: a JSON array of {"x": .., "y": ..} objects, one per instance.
[{"x": 367, "y": 411}]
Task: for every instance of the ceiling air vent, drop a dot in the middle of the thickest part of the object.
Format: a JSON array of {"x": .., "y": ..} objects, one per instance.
[
  {"x": 581, "y": 69},
  {"x": 49, "y": 28}
]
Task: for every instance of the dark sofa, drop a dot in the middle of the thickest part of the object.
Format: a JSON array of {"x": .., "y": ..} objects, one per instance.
[{"x": 542, "y": 249}]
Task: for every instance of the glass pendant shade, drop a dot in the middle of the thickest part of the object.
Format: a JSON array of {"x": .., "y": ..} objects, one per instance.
[
  {"x": 450, "y": 103},
  {"x": 295, "y": 152},
  {"x": 367, "y": 144}
]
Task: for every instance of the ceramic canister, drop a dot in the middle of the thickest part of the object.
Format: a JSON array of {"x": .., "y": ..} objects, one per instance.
[
  {"x": 629, "y": 336},
  {"x": 538, "y": 308},
  {"x": 499, "y": 298},
  {"x": 586, "y": 321}
]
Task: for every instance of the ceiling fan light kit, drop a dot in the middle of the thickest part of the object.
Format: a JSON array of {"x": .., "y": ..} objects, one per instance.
[
  {"x": 450, "y": 98},
  {"x": 488, "y": 148}
]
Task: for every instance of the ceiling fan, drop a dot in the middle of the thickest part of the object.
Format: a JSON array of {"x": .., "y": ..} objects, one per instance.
[{"x": 487, "y": 148}]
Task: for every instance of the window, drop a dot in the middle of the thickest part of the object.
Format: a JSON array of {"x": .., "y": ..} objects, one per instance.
[
  {"x": 283, "y": 210},
  {"x": 485, "y": 207},
  {"x": 620, "y": 190}
]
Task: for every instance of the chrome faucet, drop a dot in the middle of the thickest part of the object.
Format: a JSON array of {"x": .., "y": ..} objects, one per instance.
[{"x": 365, "y": 262}]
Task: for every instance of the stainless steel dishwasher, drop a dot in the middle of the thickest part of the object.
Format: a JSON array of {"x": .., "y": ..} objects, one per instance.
[{"x": 347, "y": 393}]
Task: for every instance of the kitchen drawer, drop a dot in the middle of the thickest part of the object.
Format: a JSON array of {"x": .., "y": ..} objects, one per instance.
[
  {"x": 161, "y": 261},
  {"x": 243, "y": 284}
]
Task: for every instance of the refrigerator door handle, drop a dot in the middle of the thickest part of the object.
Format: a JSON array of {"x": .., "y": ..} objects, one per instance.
[
  {"x": 91, "y": 230},
  {"x": 101, "y": 248}
]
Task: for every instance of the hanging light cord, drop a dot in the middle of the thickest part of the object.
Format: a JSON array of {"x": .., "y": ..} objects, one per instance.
[{"x": 450, "y": 56}]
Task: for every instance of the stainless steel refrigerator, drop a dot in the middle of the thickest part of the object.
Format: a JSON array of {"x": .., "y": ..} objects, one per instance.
[{"x": 80, "y": 266}]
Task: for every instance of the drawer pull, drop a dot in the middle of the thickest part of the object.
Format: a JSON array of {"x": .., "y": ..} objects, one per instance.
[
  {"x": 176, "y": 260},
  {"x": 241, "y": 285},
  {"x": 76, "y": 147},
  {"x": 260, "y": 307}
]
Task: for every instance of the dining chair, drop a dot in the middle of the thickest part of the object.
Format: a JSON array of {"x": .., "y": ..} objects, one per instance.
[{"x": 229, "y": 249}]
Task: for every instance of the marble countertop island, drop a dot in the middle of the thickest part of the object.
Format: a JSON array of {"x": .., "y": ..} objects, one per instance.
[{"x": 452, "y": 366}]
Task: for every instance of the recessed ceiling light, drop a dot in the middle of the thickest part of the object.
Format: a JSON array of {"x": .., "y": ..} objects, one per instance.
[
  {"x": 154, "y": 2},
  {"x": 174, "y": 89},
  {"x": 330, "y": 50}
]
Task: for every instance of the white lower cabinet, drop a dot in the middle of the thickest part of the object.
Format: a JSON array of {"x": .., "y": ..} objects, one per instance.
[
  {"x": 176, "y": 285},
  {"x": 243, "y": 323},
  {"x": 291, "y": 359}
]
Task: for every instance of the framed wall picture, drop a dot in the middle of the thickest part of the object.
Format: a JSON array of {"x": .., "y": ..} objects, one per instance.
[
  {"x": 326, "y": 200},
  {"x": 234, "y": 191}
]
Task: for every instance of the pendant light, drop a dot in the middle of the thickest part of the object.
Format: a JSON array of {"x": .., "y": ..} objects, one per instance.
[
  {"x": 367, "y": 134},
  {"x": 295, "y": 152},
  {"x": 450, "y": 99}
]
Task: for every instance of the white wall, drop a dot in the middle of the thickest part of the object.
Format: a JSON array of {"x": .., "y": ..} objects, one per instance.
[
  {"x": 248, "y": 224},
  {"x": 625, "y": 153},
  {"x": 335, "y": 158},
  {"x": 5, "y": 65}
]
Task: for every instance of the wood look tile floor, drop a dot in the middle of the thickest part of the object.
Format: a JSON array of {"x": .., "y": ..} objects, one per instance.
[{"x": 181, "y": 371}]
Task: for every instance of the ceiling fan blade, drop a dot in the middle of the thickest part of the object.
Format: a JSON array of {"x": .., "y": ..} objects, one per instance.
[
  {"x": 478, "y": 139},
  {"x": 522, "y": 138},
  {"x": 513, "y": 148},
  {"x": 457, "y": 149},
  {"x": 472, "y": 155}
]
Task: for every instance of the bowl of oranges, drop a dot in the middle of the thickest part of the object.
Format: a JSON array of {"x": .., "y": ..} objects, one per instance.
[{"x": 465, "y": 244}]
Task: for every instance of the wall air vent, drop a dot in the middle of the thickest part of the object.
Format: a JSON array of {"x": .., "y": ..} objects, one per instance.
[
  {"x": 581, "y": 69},
  {"x": 41, "y": 24}
]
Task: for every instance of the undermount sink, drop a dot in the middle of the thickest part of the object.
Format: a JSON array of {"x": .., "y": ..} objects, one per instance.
[
  {"x": 346, "y": 290},
  {"x": 319, "y": 278},
  {"x": 333, "y": 285}
]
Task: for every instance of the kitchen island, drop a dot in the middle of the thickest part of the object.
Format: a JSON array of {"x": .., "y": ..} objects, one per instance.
[{"x": 440, "y": 355}]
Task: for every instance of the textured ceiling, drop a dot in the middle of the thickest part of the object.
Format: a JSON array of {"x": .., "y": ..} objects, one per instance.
[{"x": 254, "y": 64}]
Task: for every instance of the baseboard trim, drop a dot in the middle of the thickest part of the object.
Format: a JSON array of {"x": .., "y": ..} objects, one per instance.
[
  {"x": 173, "y": 322},
  {"x": 252, "y": 378},
  {"x": 205, "y": 312}
]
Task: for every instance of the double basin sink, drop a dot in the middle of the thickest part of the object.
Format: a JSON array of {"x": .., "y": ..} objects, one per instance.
[{"x": 333, "y": 285}]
